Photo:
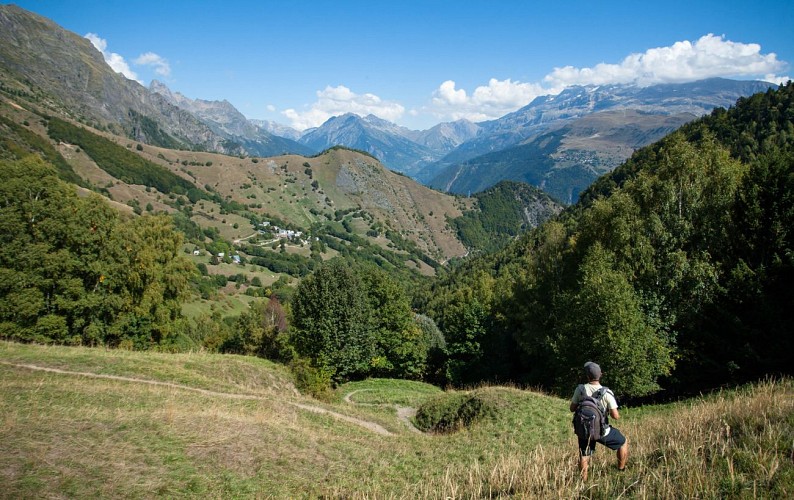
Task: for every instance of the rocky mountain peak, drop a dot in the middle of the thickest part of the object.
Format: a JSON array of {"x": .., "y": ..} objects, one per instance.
[{"x": 227, "y": 121}]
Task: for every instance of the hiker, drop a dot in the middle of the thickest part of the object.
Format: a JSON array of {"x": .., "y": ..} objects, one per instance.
[{"x": 607, "y": 436}]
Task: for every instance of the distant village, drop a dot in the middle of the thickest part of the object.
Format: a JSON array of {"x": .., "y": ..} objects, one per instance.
[
  {"x": 265, "y": 229},
  {"x": 281, "y": 233}
]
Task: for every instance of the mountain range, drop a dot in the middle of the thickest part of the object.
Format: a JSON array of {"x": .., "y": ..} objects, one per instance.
[
  {"x": 562, "y": 143},
  {"x": 151, "y": 147},
  {"x": 592, "y": 129},
  {"x": 226, "y": 121},
  {"x": 559, "y": 143}
]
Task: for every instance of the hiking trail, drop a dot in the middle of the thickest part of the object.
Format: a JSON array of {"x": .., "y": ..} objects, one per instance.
[
  {"x": 371, "y": 426},
  {"x": 404, "y": 413}
]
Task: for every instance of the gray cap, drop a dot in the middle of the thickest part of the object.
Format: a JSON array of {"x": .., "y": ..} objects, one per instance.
[{"x": 592, "y": 370}]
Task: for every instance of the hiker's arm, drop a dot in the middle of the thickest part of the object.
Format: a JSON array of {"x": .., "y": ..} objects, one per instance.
[
  {"x": 613, "y": 413},
  {"x": 576, "y": 398}
]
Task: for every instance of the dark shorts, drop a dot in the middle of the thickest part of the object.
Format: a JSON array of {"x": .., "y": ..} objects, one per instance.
[{"x": 613, "y": 441}]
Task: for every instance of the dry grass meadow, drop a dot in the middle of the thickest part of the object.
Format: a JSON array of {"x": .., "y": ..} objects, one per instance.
[{"x": 127, "y": 424}]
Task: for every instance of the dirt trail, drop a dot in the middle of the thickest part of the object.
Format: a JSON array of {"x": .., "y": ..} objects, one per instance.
[
  {"x": 404, "y": 413},
  {"x": 372, "y": 426}
]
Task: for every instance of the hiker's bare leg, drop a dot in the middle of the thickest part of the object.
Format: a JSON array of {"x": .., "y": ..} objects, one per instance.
[
  {"x": 584, "y": 463},
  {"x": 623, "y": 455}
]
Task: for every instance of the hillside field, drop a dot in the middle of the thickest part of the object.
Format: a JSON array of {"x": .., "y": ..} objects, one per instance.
[{"x": 80, "y": 422}]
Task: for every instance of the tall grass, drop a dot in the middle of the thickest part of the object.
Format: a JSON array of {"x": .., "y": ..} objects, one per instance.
[
  {"x": 737, "y": 444},
  {"x": 74, "y": 435}
]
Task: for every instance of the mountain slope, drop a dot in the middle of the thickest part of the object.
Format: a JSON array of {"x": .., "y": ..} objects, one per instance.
[
  {"x": 226, "y": 121},
  {"x": 503, "y": 212},
  {"x": 62, "y": 72},
  {"x": 384, "y": 140},
  {"x": 564, "y": 160},
  {"x": 679, "y": 259},
  {"x": 641, "y": 110},
  {"x": 294, "y": 191}
]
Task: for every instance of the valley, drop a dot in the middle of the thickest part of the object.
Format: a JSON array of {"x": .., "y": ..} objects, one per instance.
[{"x": 194, "y": 303}]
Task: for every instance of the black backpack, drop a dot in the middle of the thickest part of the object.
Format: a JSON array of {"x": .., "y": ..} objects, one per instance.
[{"x": 590, "y": 422}]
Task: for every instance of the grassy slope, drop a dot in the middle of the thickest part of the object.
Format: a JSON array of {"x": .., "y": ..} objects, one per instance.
[
  {"x": 277, "y": 186},
  {"x": 77, "y": 436}
]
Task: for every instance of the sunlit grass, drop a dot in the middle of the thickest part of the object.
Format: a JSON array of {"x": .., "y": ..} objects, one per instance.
[{"x": 76, "y": 436}]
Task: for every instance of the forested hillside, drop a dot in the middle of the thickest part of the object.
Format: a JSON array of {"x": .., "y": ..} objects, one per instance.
[
  {"x": 673, "y": 271},
  {"x": 503, "y": 212}
]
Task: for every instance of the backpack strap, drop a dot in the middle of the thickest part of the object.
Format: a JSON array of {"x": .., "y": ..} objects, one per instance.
[{"x": 598, "y": 396}]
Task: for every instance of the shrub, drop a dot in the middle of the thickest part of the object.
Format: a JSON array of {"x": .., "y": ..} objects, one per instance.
[
  {"x": 310, "y": 380},
  {"x": 450, "y": 412}
]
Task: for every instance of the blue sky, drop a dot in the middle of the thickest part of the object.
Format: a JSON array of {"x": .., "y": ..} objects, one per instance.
[{"x": 418, "y": 63}]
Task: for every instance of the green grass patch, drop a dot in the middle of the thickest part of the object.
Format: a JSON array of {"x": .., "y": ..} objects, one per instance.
[{"x": 379, "y": 391}]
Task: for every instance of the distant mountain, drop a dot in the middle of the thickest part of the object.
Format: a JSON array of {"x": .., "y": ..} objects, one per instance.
[
  {"x": 447, "y": 136},
  {"x": 565, "y": 160},
  {"x": 593, "y": 129},
  {"x": 278, "y": 129},
  {"x": 696, "y": 98},
  {"x": 61, "y": 72},
  {"x": 225, "y": 120},
  {"x": 443, "y": 155},
  {"x": 391, "y": 144}
]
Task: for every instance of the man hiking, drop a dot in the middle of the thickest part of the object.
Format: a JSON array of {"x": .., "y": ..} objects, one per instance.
[{"x": 606, "y": 435}]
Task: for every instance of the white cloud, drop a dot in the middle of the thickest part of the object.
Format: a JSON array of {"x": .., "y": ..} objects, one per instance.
[
  {"x": 685, "y": 61},
  {"x": 490, "y": 101},
  {"x": 334, "y": 101},
  {"x": 270, "y": 108},
  {"x": 779, "y": 80},
  {"x": 115, "y": 61},
  {"x": 161, "y": 66},
  {"x": 709, "y": 56}
]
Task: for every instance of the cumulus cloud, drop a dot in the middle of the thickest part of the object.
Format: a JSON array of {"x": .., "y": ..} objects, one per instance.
[
  {"x": 685, "y": 61},
  {"x": 709, "y": 56},
  {"x": 778, "y": 80},
  {"x": 115, "y": 61},
  {"x": 161, "y": 66},
  {"x": 334, "y": 101},
  {"x": 487, "y": 102}
]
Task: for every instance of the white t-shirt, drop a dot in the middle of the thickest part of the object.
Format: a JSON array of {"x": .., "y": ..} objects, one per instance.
[{"x": 607, "y": 402}]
